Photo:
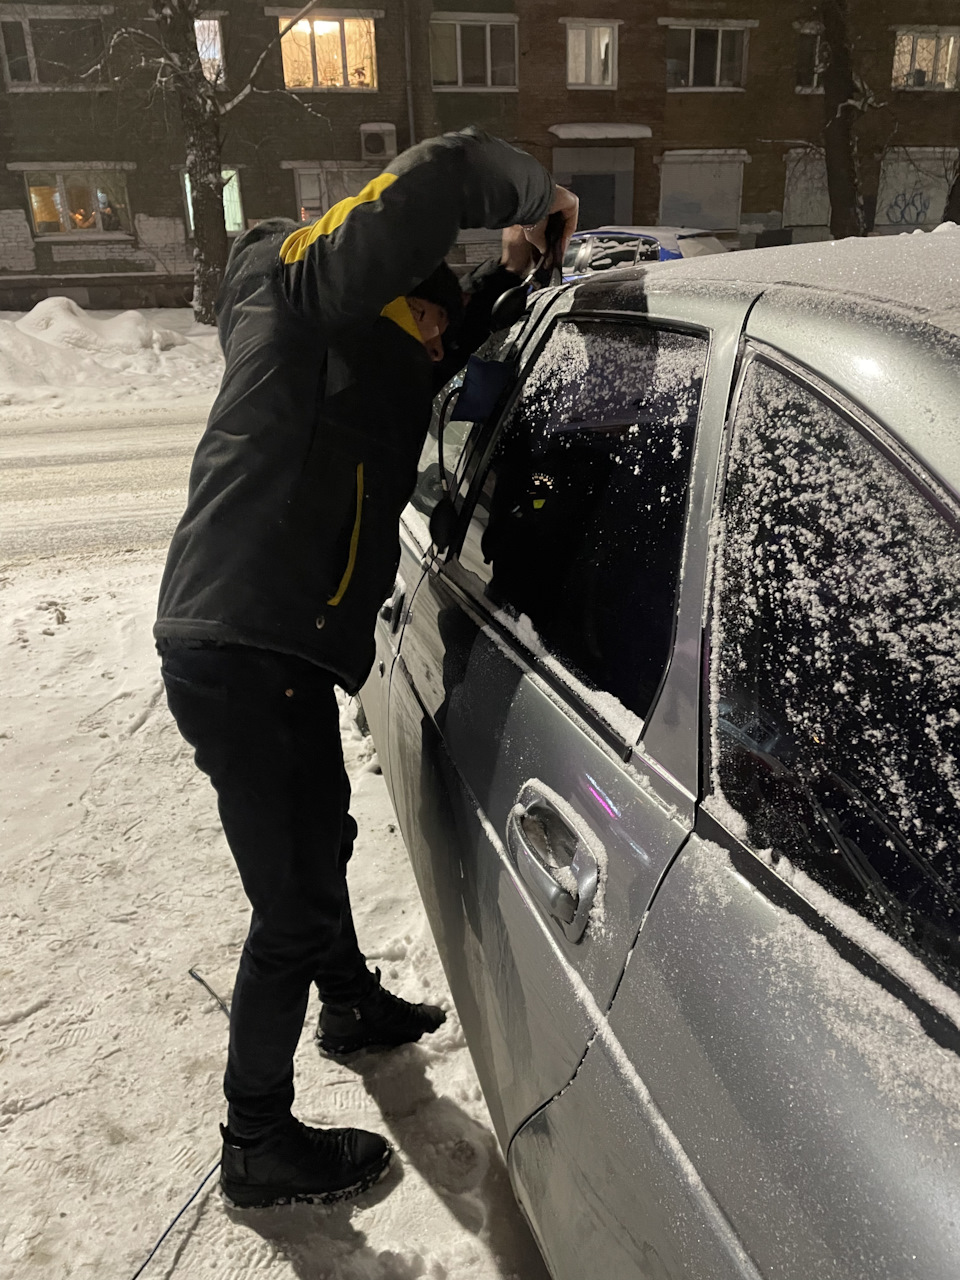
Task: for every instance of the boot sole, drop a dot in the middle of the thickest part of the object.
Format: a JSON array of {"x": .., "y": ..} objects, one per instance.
[{"x": 239, "y": 1196}]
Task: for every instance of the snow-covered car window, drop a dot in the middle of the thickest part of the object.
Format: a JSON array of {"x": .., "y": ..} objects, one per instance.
[
  {"x": 836, "y": 666},
  {"x": 612, "y": 251},
  {"x": 579, "y": 524}
]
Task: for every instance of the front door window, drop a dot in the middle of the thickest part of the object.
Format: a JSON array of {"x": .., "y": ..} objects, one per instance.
[{"x": 577, "y": 534}]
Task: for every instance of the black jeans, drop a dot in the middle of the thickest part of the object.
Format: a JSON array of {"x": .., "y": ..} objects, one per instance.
[{"x": 265, "y": 728}]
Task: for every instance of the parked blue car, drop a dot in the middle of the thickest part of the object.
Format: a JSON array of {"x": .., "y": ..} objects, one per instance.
[{"x": 608, "y": 247}]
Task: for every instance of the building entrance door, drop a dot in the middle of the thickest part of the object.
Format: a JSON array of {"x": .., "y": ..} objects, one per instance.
[{"x": 597, "y": 194}]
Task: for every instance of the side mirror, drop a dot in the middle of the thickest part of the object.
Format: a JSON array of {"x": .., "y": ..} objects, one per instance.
[
  {"x": 509, "y": 307},
  {"x": 443, "y": 523}
]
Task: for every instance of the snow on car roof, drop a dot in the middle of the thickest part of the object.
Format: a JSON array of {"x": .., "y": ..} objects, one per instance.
[
  {"x": 918, "y": 271},
  {"x": 878, "y": 318}
]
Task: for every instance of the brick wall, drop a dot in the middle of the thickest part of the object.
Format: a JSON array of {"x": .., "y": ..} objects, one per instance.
[{"x": 16, "y": 243}]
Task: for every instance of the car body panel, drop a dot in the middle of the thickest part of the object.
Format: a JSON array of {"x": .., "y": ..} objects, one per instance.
[
  {"x": 716, "y": 1081},
  {"x": 810, "y": 1099}
]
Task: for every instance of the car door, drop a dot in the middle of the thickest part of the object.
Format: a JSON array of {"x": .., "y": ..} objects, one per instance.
[
  {"x": 787, "y": 1023},
  {"x": 416, "y": 548},
  {"x": 531, "y": 660}
]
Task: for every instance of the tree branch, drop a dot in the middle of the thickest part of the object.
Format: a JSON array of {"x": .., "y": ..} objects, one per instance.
[{"x": 226, "y": 107}]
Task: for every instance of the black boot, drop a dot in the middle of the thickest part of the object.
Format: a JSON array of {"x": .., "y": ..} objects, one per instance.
[
  {"x": 378, "y": 1021},
  {"x": 296, "y": 1163}
]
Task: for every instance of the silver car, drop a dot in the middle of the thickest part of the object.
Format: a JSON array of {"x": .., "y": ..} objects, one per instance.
[{"x": 668, "y": 702}]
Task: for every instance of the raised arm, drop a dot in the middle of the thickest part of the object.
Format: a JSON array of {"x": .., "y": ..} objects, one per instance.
[{"x": 342, "y": 270}]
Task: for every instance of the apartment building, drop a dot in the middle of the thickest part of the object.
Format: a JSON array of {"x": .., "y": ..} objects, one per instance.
[{"x": 695, "y": 112}]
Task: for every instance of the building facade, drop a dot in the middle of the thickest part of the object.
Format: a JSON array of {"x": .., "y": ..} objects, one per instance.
[{"x": 704, "y": 113}]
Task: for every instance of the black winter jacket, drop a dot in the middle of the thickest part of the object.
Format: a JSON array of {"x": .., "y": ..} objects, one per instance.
[{"x": 289, "y": 539}]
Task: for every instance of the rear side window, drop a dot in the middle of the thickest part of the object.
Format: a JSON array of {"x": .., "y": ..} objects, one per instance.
[
  {"x": 836, "y": 665},
  {"x": 577, "y": 532}
]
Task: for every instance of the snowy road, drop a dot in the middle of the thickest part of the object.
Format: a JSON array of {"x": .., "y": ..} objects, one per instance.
[
  {"x": 108, "y": 481},
  {"x": 117, "y": 880}
]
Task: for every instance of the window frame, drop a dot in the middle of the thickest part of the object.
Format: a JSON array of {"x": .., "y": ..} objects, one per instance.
[
  {"x": 486, "y": 20},
  {"x": 323, "y": 14},
  {"x": 24, "y": 15},
  {"x": 920, "y": 32},
  {"x": 693, "y": 25},
  {"x": 584, "y": 24},
  {"x": 84, "y": 235}
]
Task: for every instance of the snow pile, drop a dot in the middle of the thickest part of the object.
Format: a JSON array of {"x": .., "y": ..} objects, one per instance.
[{"x": 58, "y": 349}]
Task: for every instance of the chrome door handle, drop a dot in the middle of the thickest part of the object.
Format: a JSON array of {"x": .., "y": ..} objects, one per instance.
[
  {"x": 553, "y": 860},
  {"x": 391, "y": 610}
]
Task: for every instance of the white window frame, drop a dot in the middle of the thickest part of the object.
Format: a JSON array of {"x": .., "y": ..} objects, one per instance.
[
  {"x": 59, "y": 168},
  {"x": 487, "y": 20},
  {"x": 24, "y": 14},
  {"x": 188, "y": 202},
  {"x": 712, "y": 24},
  {"x": 939, "y": 33},
  {"x": 582, "y": 23},
  {"x": 812, "y": 29},
  {"x": 322, "y": 14}
]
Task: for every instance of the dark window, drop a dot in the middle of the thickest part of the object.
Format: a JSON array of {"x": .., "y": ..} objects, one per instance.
[
  {"x": 837, "y": 665},
  {"x": 15, "y": 47},
  {"x": 578, "y": 528},
  {"x": 67, "y": 51},
  {"x": 705, "y": 45},
  {"x": 809, "y": 65}
]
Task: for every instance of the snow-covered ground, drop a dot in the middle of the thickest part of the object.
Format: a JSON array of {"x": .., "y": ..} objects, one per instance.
[{"x": 116, "y": 881}]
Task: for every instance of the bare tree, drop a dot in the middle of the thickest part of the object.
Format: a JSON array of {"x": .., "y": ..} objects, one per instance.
[
  {"x": 167, "y": 51},
  {"x": 845, "y": 98}
]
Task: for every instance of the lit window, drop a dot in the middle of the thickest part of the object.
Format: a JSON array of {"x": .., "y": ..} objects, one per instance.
[
  {"x": 53, "y": 54},
  {"x": 810, "y": 61},
  {"x": 474, "y": 55},
  {"x": 926, "y": 58},
  {"x": 706, "y": 57},
  {"x": 210, "y": 48},
  {"x": 322, "y": 52},
  {"x": 591, "y": 55},
  {"x": 78, "y": 201},
  {"x": 232, "y": 208}
]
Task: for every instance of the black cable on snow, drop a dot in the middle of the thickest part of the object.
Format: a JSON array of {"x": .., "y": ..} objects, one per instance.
[
  {"x": 140, "y": 1270},
  {"x": 207, "y": 987}
]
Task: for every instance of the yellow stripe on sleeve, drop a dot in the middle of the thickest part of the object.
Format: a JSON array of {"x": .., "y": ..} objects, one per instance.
[{"x": 294, "y": 248}]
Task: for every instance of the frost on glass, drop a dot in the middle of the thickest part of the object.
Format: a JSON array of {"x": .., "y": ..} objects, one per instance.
[
  {"x": 837, "y": 666},
  {"x": 579, "y": 524}
]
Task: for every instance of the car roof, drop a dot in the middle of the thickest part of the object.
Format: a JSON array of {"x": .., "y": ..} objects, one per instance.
[
  {"x": 878, "y": 318},
  {"x": 679, "y": 233}
]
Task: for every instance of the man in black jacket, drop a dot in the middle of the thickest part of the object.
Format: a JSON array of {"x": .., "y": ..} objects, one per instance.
[{"x": 333, "y": 335}]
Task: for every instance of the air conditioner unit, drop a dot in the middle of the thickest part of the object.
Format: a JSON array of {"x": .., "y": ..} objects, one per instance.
[{"x": 378, "y": 142}]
